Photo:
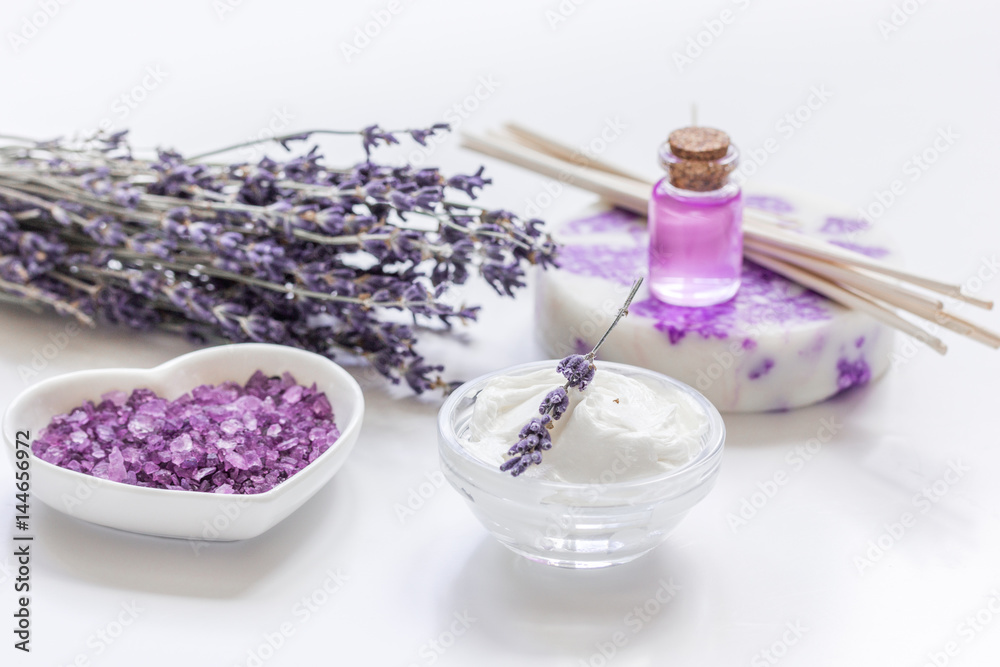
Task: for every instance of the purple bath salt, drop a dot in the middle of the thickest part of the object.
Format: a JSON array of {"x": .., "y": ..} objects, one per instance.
[{"x": 226, "y": 438}]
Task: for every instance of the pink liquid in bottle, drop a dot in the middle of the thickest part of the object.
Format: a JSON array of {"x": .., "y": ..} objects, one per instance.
[
  {"x": 695, "y": 221},
  {"x": 695, "y": 246}
]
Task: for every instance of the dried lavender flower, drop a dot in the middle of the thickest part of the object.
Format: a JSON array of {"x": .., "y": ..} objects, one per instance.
[
  {"x": 298, "y": 252},
  {"x": 578, "y": 369},
  {"x": 555, "y": 402}
]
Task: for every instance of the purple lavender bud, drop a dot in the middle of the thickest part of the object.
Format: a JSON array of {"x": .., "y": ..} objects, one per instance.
[
  {"x": 420, "y": 136},
  {"x": 285, "y": 141},
  {"x": 536, "y": 426},
  {"x": 469, "y": 183},
  {"x": 403, "y": 203},
  {"x": 373, "y": 134},
  {"x": 126, "y": 195},
  {"x": 512, "y": 464},
  {"x": 248, "y": 220},
  {"x": 555, "y": 402},
  {"x": 7, "y": 222},
  {"x": 578, "y": 370},
  {"x": 519, "y": 447}
]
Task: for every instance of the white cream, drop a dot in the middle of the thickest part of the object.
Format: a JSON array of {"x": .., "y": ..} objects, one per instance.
[{"x": 619, "y": 428}]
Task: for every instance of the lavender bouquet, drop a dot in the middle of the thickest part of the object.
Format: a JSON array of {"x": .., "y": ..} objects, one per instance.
[{"x": 330, "y": 259}]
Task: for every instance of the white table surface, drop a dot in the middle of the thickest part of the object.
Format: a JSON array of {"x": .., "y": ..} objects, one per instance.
[{"x": 789, "y": 582}]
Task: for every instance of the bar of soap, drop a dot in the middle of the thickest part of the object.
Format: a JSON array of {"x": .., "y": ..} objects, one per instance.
[{"x": 774, "y": 346}]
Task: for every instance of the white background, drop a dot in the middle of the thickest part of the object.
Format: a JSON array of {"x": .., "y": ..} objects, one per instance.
[{"x": 227, "y": 75}]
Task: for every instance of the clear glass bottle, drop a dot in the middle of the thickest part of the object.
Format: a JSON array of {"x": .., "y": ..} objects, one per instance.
[{"x": 695, "y": 220}]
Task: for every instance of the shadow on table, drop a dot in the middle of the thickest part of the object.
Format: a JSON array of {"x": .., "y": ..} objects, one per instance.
[
  {"x": 187, "y": 568},
  {"x": 790, "y": 427},
  {"x": 528, "y": 606}
]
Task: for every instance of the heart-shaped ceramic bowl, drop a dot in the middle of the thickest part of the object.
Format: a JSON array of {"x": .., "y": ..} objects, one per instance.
[{"x": 184, "y": 514}]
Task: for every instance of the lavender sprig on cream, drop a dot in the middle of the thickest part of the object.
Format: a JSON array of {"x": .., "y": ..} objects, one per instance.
[{"x": 579, "y": 370}]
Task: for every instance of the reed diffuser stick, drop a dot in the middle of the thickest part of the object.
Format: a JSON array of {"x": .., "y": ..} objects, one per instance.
[{"x": 850, "y": 278}]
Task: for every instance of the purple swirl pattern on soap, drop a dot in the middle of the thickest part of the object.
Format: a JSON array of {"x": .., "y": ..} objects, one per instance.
[
  {"x": 852, "y": 373},
  {"x": 612, "y": 220},
  {"x": 768, "y": 203},
  {"x": 616, "y": 250},
  {"x": 762, "y": 369},
  {"x": 765, "y": 298},
  {"x": 834, "y": 225},
  {"x": 875, "y": 252},
  {"x": 617, "y": 264}
]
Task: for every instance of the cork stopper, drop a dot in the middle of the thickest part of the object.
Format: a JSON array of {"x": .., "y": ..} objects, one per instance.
[
  {"x": 699, "y": 143},
  {"x": 699, "y": 158}
]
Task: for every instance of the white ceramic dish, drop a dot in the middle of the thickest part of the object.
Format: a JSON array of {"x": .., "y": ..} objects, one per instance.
[{"x": 184, "y": 514}]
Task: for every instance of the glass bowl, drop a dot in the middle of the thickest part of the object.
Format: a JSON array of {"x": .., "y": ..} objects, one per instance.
[{"x": 577, "y": 525}]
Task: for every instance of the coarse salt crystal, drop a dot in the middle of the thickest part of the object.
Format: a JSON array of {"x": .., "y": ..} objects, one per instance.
[{"x": 224, "y": 439}]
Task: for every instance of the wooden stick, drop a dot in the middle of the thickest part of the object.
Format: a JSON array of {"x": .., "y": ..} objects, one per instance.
[
  {"x": 562, "y": 151},
  {"x": 895, "y": 295},
  {"x": 769, "y": 218},
  {"x": 838, "y": 272},
  {"x": 848, "y": 298},
  {"x": 959, "y": 325},
  {"x": 547, "y": 146},
  {"x": 623, "y": 192},
  {"x": 804, "y": 244},
  {"x": 632, "y": 195}
]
